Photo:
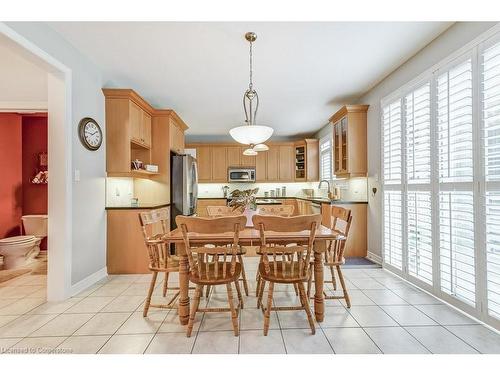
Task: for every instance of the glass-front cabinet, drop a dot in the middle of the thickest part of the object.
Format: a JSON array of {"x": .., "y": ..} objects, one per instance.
[{"x": 349, "y": 139}]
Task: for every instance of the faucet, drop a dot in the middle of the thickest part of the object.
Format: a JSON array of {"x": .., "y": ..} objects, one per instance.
[{"x": 330, "y": 194}]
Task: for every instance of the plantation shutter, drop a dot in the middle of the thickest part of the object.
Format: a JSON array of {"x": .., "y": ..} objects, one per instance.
[
  {"x": 454, "y": 116},
  {"x": 456, "y": 200},
  {"x": 419, "y": 242},
  {"x": 325, "y": 158},
  {"x": 490, "y": 104},
  {"x": 418, "y": 135},
  {"x": 392, "y": 143},
  {"x": 393, "y": 229}
]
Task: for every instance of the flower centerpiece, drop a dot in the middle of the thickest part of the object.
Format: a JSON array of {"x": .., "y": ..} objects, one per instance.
[{"x": 244, "y": 199}]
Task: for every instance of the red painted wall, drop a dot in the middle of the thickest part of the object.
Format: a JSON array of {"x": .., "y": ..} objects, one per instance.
[
  {"x": 11, "y": 192},
  {"x": 34, "y": 141}
]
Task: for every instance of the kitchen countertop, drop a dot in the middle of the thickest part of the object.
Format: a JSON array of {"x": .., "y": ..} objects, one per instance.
[
  {"x": 141, "y": 206},
  {"x": 311, "y": 199}
]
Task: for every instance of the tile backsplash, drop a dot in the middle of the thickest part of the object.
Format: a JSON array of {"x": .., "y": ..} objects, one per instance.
[
  {"x": 354, "y": 189},
  {"x": 119, "y": 191}
]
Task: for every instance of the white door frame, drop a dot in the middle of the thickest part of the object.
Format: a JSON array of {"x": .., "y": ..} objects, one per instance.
[{"x": 60, "y": 163}]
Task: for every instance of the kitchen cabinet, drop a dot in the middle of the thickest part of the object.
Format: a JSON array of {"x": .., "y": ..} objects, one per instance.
[
  {"x": 357, "y": 241},
  {"x": 140, "y": 123},
  {"x": 307, "y": 160},
  {"x": 261, "y": 166},
  {"x": 201, "y": 209},
  {"x": 247, "y": 161},
  {"x": 304, "y": 207},
  {"x": 204, "y": 159},
  {"x": 286, "y": 162},
  {"x": 273, "y": 158},
  {"x": 126, "y": 254},
  {"x": 275, "y": 165},
  {"x": 219, "y": 164},
  {"x": 176, "y": 137},
  {"x": 349, "y": 140},
  {"x": 135, "y": 130},
  {"x": 233, "y": 154}
]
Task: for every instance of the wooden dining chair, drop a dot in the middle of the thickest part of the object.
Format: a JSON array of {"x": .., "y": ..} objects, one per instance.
[
  {"x": 285, "y": 210},
  {"x": 285, "y": 264},
  {"x": 276, "y": 209},
  {"x": 216, "y": 211},
  {"x": 221, "y": 211},
  {"x": 341, "y": 219},
  {"x": 154, "y": 225},
  {"x": 221, "y": 269}
]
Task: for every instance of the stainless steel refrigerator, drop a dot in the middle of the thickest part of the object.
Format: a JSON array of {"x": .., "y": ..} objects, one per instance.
[{"x": 183, "y": 186}]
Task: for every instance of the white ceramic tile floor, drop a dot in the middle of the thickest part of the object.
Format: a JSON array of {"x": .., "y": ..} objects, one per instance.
[{"x": 388, "y": 315}]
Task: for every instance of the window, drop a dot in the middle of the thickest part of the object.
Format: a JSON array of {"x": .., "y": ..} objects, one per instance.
[
  {"x": 391, "y": 123},
  {"x": 325, "y": 158},
  {"x": 393, "y": 235},
  {"x": 490, "y": 111},
  {"x": 418, "y": 133},
  {"x": 441, "y": 181},
  {"x": 419, "y": 235}
]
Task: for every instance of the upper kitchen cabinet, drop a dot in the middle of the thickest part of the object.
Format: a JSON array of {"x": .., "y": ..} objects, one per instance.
[
  {"x": 349, "y": 139},
  {"x": 135, "y": 130},
  {"x": 247, "y": 161},
  {"x": 307, "y": 160},
  {"x": 233, "y": 156},
  {"x": 219, "y": 163},
  {"x": 177, "y": 129},
  {"x": 286, "y": 162},
  {"x": 276, "y": 164},
  {"x": 140, "y": 123}
]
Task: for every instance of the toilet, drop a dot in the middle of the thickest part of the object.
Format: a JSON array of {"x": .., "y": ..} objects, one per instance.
[{"x": 19, "y": 251}]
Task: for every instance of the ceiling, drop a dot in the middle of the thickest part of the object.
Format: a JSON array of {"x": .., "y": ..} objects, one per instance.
[{"x": 303, "y": 72}]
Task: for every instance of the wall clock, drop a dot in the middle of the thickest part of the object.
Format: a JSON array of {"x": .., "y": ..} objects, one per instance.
[{"x": 90, "y": 133}]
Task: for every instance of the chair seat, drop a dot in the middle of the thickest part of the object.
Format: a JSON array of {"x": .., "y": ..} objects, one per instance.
[
  {"x": 283, "y": 276},
  {"x": 173, "y": 265},
  {"x": 210, "y": 278}
]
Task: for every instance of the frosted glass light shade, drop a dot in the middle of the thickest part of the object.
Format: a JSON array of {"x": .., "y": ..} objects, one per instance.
[
  {"x": 251, "y": 134},
  {"x": 249, "y": 152},
  {"x": 260, "y": 147}
]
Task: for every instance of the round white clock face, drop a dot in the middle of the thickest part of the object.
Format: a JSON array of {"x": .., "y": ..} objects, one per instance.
[{"x": 90, "y": 134}]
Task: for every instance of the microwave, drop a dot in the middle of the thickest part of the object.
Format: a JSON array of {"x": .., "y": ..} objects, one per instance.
[{"x": 241, "y": 174}]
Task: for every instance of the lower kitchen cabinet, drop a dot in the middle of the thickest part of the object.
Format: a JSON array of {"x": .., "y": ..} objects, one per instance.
[
  {"x": 357, "y": 242},
  {"x": 126, "y": 253}
]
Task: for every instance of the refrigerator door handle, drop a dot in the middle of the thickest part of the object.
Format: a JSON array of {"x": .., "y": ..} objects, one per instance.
[{"x": 195, "y": 187}]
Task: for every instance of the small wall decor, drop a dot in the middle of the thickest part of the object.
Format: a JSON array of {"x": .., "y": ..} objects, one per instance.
[
  {"x": 41, "y": 173},
  {"x": 90, "y": 133}
]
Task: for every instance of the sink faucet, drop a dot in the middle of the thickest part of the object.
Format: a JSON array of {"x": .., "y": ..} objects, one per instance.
[{"x": 330, "y": 194}]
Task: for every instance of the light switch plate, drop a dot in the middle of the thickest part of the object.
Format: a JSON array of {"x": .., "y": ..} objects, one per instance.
[{"x": 77, "y": 175}]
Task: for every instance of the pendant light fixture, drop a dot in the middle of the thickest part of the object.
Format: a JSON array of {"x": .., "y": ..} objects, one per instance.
[{"x": 251, "y": 134}]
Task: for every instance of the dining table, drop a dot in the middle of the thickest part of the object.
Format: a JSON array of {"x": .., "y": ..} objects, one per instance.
[{"x": 251, "y": 237}]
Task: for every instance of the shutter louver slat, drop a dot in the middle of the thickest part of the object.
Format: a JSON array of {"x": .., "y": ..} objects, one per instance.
[
  {"x": 393, "y": 229},
  {"x": 325, "y": 158},
  {"x": 493, "y": 252},
  {"x": 454, "y": 117},
  {"x": 491, "y": 142},
  {"x": 456, "y": 225},
  {"x": 418, "y": 129},
  {"x": 420, "y": 235},
  {"x": 392, "y": 143}
]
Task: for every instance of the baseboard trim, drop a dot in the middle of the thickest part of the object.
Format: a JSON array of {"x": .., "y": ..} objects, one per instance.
[
  {"x": 88, "y": 281},
  {"x": 374, "y": 258}
]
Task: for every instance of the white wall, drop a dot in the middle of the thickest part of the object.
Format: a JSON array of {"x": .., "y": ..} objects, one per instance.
[
  {"x": 448, "y": 42},
  {"x": 22, "y": 83},
  {"x": 88, "y": 199}
]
